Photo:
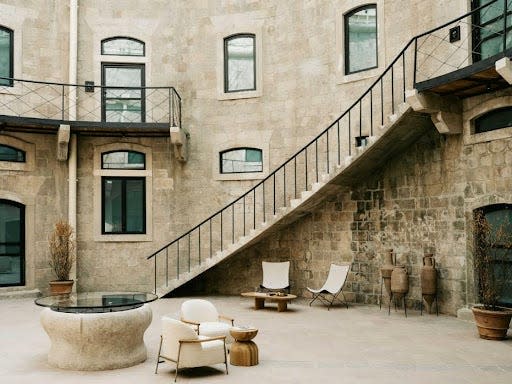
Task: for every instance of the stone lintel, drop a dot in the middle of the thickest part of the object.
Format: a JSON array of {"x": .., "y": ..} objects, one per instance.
[
  {"x": 179, "y": 141},
  {"x": 447, "y": 122},
  {"x": 504, "y": 68},
  {"x": 63, "y": 137}
]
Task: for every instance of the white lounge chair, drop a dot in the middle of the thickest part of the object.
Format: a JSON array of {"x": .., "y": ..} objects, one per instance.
[
  {"x": 333, "y": 286},
  {"x": 205, "y": 319},
  {"x": 181, "y": 345},
  {"x": 276, "y": 276}
]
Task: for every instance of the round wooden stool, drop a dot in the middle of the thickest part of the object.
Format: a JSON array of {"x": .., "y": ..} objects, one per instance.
[{"x": 243, "y": 352}]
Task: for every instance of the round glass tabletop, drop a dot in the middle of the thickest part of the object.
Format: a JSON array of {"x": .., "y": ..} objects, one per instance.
[{"x": 96, "y": 302}]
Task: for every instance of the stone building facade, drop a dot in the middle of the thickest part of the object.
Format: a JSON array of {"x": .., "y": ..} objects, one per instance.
[{"x": 418, "y": 201}]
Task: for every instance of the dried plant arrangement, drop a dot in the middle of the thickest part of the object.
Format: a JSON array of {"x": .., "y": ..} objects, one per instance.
[{"x": 62, "y": 247}]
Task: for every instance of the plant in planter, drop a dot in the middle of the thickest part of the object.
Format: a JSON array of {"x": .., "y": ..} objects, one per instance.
[
  {"x": 492, "y": 246},
  {"x": 62, "y": 247}
]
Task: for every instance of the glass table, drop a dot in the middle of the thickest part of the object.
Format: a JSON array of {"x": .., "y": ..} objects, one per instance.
[
  {"x": 96, "y": 302},
  {"x": 96, "y": 330}
]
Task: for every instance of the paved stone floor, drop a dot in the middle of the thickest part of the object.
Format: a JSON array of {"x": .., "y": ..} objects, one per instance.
[{"x": 304, "y": 345}]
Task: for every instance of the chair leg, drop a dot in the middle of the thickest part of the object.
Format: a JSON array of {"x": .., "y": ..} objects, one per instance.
[
  {"x": 314, "y": 298},
  {"x": 158, "y": 357},
  {"x": 225, "y": 357},
  {"x": 177, "y": 363}
]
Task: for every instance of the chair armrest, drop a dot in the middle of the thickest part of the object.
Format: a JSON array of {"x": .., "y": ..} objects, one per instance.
[
  {"x": 230, "y": 319},
  {"x": 195, "y": 341},
  {"x": 194, "y": 323}
]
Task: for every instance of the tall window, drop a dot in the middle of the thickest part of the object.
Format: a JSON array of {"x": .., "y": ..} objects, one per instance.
[
  {"x": 12, "y": 243},
  {"x": 499, "y": 219},
  {"x": 239, "y": 63},
  {"x": 123, "y": 105},
  {"x": 8, "y": 153},
  {"x": 123, "y": 198},
  {"x": 489, "y": 27},
  {"x": 495, "y": 119},
  {"x": 241, "y": 160},
  {"x": 6, "y": 56},
  {"x": 123, "y": 95},
  {"x": 361, "y": 39}
]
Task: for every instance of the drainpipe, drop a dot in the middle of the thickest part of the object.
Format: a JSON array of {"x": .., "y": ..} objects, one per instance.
[{"x": 72, "y": 159}]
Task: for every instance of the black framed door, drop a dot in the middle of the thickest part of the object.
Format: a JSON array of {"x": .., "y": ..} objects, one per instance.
[
  {"x": 123, "y": 105},
  {"x": 12, "y": 243}
]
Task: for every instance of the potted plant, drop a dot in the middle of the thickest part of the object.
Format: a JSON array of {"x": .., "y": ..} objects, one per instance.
[
  {"x": 62, "y": 247},
  {"x": 492, "y": 244}
]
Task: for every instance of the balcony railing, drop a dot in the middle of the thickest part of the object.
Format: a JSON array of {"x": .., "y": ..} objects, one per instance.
[
  {"x": 321, "y": 155},
  {"x": 88, "y": 103}
]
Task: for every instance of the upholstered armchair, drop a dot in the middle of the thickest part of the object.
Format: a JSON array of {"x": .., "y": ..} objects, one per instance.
[
  {"x": 205, "y": 319},
  {"x": 180, "y": 344}
]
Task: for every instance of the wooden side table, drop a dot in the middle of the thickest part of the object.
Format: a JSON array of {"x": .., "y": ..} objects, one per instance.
[{"x": 244, "y": 351}]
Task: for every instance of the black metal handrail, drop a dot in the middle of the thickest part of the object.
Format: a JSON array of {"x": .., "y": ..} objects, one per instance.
[
  {"x": 50, "y": 100},
  {"x": 284, "y": 183}
]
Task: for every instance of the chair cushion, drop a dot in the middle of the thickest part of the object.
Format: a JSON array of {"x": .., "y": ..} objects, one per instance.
[
  {"x": 200, "y": 354},
  {"x": 216, "y": 328},
  {"x": 199, "y": 310}
]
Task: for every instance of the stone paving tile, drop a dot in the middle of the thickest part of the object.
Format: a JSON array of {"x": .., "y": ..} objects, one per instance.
[{"x": 304, "y": 345}]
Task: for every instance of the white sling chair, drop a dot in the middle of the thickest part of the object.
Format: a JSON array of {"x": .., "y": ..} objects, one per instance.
[
  {"x": 276, "y": 276},
  {"x": 181, "y": 345},
  {"x": 333, "y": 286}
]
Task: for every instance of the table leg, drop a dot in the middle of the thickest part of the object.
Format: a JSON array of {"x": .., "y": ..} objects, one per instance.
[
  {"x": 259, "y": 303},
  {"x": 282, "y": 305}
]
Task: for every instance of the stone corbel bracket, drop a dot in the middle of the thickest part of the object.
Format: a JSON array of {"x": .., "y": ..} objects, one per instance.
[
  {"x": 63, "y": 136},
  {"x": 504, "y": 68},
  {"x": 445, "y": 111},
  {"x": 179, "y": 141}
]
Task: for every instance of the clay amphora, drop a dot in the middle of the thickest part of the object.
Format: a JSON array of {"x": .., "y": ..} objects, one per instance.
[
  {"x": 399, "y": 281},
  {"x": 428, "y": 279},
  {"x": 386, "y": 270}
]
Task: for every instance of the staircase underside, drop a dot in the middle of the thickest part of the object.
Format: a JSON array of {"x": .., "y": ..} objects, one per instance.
[{"x": 392, "y": 139}]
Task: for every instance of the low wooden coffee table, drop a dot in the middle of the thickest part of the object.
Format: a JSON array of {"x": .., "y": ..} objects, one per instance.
[{"x": 260, "y": 297}]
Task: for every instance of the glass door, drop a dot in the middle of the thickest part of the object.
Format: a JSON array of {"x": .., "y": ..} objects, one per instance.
[
  {"x": 12, "y": 243},
  {"x": 490, "y": 27}
]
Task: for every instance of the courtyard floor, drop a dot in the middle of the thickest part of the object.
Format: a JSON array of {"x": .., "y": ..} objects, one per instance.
[{"x": 361, "y": 344}]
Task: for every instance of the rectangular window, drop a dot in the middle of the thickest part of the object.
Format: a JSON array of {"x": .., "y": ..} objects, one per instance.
[
  {"x": 361, "y": 39},
  {"x": 239, "y": 63},
  {"x": 6, "y": 56},
  {"x": 241, "y": 160},
  {"x": 120, "y": 104},
  {"x": 123, "y": 205}
]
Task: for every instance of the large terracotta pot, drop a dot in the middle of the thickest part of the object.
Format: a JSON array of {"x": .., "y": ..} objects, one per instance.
[
  {"x": 61, "y": 287},
  {"x": 399, "y": 281},
  {"x": 492, "y": 325},
  {"x": 387, "y": 269},
  {"x": 429, "y": 280}
]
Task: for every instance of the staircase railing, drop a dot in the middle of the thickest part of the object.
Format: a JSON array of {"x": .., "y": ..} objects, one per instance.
[
  {"x": 331, "y": 148},
  {"x": 51, "y": 101}
]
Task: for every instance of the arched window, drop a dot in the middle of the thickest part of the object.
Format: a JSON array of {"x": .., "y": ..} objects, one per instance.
[
  {"x": 122, "y": 46},
  {"x": 495, "y": 119},
  {"x": 12, "y": 243},
  {"x": 123, "y": 160},
  {"x": 8, "y": 153},
  {"x": 494, "y": 236},
  {"x": 360, "y": 27},
  {"x": 6, "y": 56},
  {"x": 239, "y": 63},
  {"x": 241, "y": 160}
]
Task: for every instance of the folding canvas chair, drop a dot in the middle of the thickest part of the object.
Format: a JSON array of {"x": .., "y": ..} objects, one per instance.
[
  {"x": 276, "y": 276},
  {"x": 333, "y": 286}
]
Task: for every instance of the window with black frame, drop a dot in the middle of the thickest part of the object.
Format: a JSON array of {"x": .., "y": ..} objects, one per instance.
[
  {"x": 360, "y": 30},
  {"x": 6, "y": 56},
  {"x": 241, "y": 160},
  {"x": 123, "y": 198},
  {"x": 8, "y": 153},
  {"x": 239, "y": 63},
  {"x": 12, "y": 243},
  {"x": 493, "y": 120},
  {"x": 498, "y": 243},
  {"x": 123, "y": 92},
  {"x": 489, "y": 26}
]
